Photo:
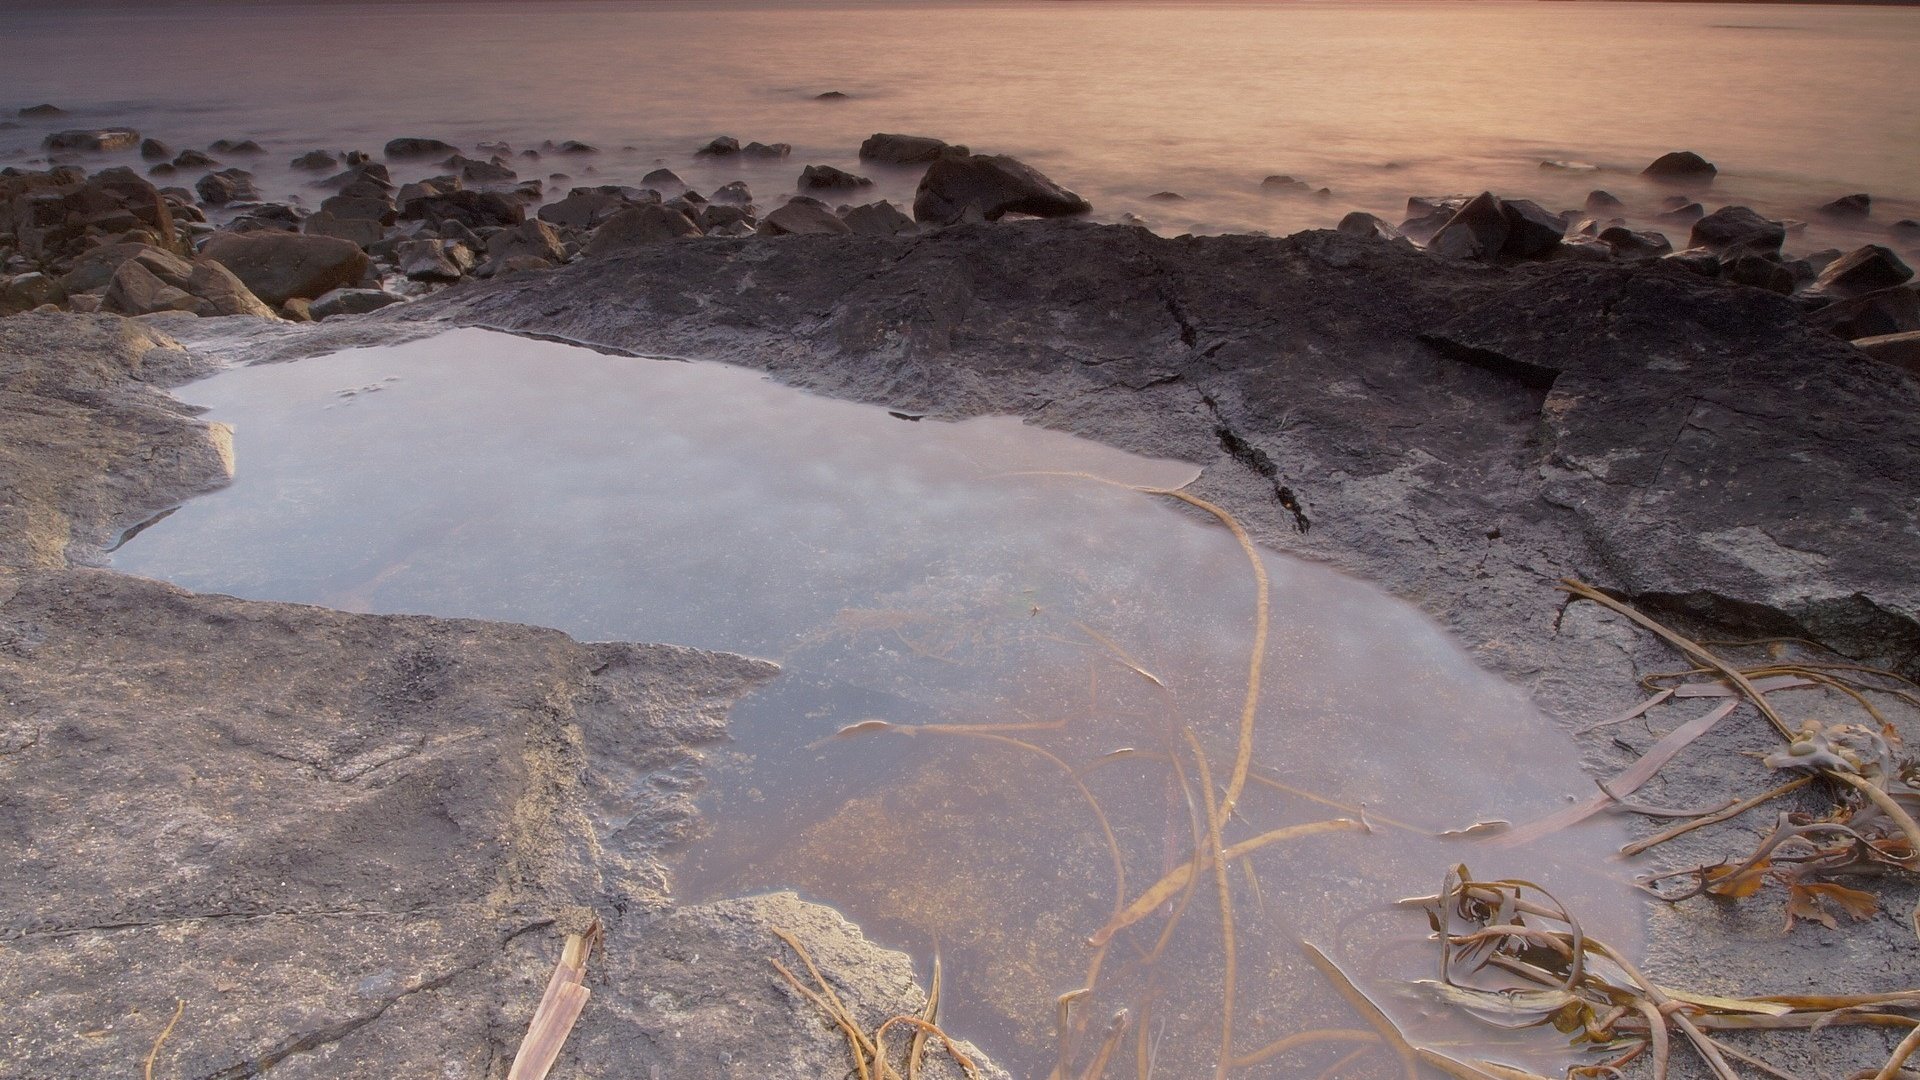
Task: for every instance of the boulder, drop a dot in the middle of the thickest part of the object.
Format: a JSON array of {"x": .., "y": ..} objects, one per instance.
[
  {"x": 1884, "y": 311},
  {"x": 830, "y": 95},
  {"x": 24, "y": 292},
  {"x": 361, "y": 232},
  {"x": 877, "y": 219},
  {"x": 1532, "y": 232},
  {"x": 154, "y": 150},
  {"x": 1478, "y": 230},
  {"x": 365, "y": 174},
  {"x": 574, "y": 146},
  {"x": 664, "y": 181},
  {"x": 713, "y": 216},
  {"x": 724, "y": 146},
  {"x": 41, "y": 111},
  {"x": 426, "y": 260},
  {"x": 1854, "y": 207},
  {"x": 1684, "y": 214},
  {"x": 1736, "y": 229},
  {"x": 194, "y": 159},
  {"x": 828, "y": 178},
  {"x": 535, "y": 238},
  {"x": 474, "y": 209},
  {"x": 1701, "y": 261},
  {"x": 1900, "y": 350},
  {"x": 1581, "y": 249},
  {"x": 992, "y": 184},
  {"x": 379, "y": 209},
  {"x": 907, "y": 149},
  {"x": 226, "y": 186},
  {"x": 766, "y": 151},
  {"x": 802, "y": 216},
  {"x": 236, "y": 146},
  {"x": 475, "y": 171},
  {"x": 1905, "y": 231},
  {"x": 736, "y": 193},
  {"x": 1361, "y": 223},
  {"x": 1635, "y": 244},
  {"x": 351, "y": 302},
  {"x": 1285, "y": 185},
  {"x": 93, "y": 139},
  {"x": 1861, "y": 271},
  {"x": 416, "y": 147},
  {"x": 1602, "y": 202},
  {"x": 586, "y": 208},
  {"x": 1681, "y": 167},
  {"x": 1757, "y": 271},
  {"x": 280, "y": 266},
  {"x": 93, "y": 270},
  {"x": 314, "y": 161},
  {"x": 150, "y": 282},
  {"x": 221, "y": 292},
  {"x": 430, "y": 187},
  {"x": 648, "y": 223}
]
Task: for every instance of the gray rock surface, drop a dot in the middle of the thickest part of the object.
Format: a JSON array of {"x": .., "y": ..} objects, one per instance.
[
  {"x": 991, "y": 185},
  {"x": 279, "y": 266}
]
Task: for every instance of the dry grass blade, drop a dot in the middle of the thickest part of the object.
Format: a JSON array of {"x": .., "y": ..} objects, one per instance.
[
  {"x": 559, "y": 1008},
  {"x": 1728, "y": 814},
  {"x": 1901, "y": 1053},
  {"x": 931, "y": 1014},
  {"x": 1230, "y": 974},
  {"x": 1121, "y": 655},
  {"x": 1371, "y": 1013},
  {"x": 153, "y": 1055}
]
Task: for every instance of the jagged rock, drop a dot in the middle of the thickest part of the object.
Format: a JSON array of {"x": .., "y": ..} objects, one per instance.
[
  {"x": 664, "y": 181},
  {"x": 723, "y": 146},
  {"x": 878, "y": 219},
  {"x": 1478, "y": 230},
  {"x": 993, "y": 185},
  {"x": 1361, "y": 223},
  {"x": 1736, "y": 230},
  {"x": 640, "y": 226},
  {"x": 586, "y": 208},
  {"x": 1884, "y": 311},
  {"x": 1681, "y": 166},
  {"x": 907, "y": 149},
  {"x": 802, "y": 216},
  {"x": 1532, "y": 232},
  {"x": 226, "y": 186},
  {"x": 314, "y": 161},
  {"x": 416, "y": 147},
  {"x": 1901, "y": 350},
  {"x": 359, "y": 231},
  {"x": 154, "y": 150},
  {"x": 279, "y": 266},
  {"x": 474, "y": 209},
  {"x": 1855, "y": 207},
  {"x": 1758, "y": 271},
  {"x": 426, "y": 260},
  {"x": 232, "y": 146},
  {"x": 828, "y": 178},
  {"x": 1861, "y": 271},
  {"x": 24, "y": 292},
  {"x": 194, "y": 159},
  {"x": 152, "y": 280},
  {"x": 92, "y": 139},
  {"x": 735, "y": 192},
  {"x": 535, "y": 238},
  {"x": 714, "y": 216}
]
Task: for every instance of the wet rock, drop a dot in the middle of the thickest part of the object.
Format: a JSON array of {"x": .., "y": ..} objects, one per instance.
[
  {"x": 194, "y": 159},
  {"x": 574, "y": 146},
  {"x": 152, "y": 280},
  {"x": 531, "y": 191},
  {"x": 314, "y": 161},
  {"x": 1478, "y": 230},
  {"x": 474, "y": 209},
  {"x": 154, "y": 150},
  {"x": 1756, "y": 271},
  {"x": 1635, "y": 244},
  {"x": 1905, "y": 231},
  {"x": 359, "y": 231},
  {"x": 1901, "y": 350},
  {"x": 638, "y": 227},
  {"x": 907, "y": 149},
  {"x": 1569, "y": 166},
  {"x": 1702, "y": 261},
  {"x": 828, "y": 178},
  {"x": 516, "y": 264},
  {"x": 1167, "y": 196},
  {"x": 345, "y": 301},
  {"x": 165, "y": 168},
  {"x": 1682, "y": 167},
  {"x": 298, "y": 310},
  {"x": 586, "y": 208},
  {"x": 664, "y": 181},
  {"x": 1860, "y": 271},
  {"x": 1284, "y": 185},
  {"x": 735, "y": 192},
  {"x": 1582, "y": 249},
  {"x": 1532, "y": 232},
  {"x": 232, "y": 146},
  {"x": 42, "y": 111},
  {"x": 426, "y": 260},
  {"x": 24, "y": 292},
  {"x": 993, "y": 186},
  {"x": 879, "y": 219},
  {"x": 1884, "y": 311},
  {"x": 279, "y": 266},
  {"x": 431, "y": 187},
  {"x": 92, "y": 139},
  {"x": 766, "y": 151},
  {"x": 534, "y": 238},
  {"x": 802, "y": 216},
  {"x": 724, "y": 146},
  {"x": 1361, "y": 223},
  {"x": 226, "y": 186},
  {"x": 221, "y": 292},
  {"x": 379, "y": 209},
  {"x": 359, "y": 175},
  {"x": 831, "y": 95},
  {"x": 474, "y": 171},
  {"x": 1602, "y": 202},
  {"x": 1852, "y": 207},
  {"x": 416, "y": 147},
  {"x": 1685, "y": 214},
  {"x": 1736, "y": 229},
  {"x": 715, "y": 216}
]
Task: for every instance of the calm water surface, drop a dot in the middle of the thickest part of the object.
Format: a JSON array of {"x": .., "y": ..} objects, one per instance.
[
  {"x": 1377, "y": 101},
  {"x": 1024, "y": 634}
]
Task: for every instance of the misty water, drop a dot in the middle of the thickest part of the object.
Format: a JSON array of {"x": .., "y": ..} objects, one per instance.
[
  {"x": 998, "y": 615},
  {"x": 1376, "y": 101}
]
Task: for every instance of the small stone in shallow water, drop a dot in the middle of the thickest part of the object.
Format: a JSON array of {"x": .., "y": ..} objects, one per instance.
[{"x": 1681, "y": 166}]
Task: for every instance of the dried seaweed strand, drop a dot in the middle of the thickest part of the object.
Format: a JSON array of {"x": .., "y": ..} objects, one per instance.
[
  {"x": 1306, "y": 1038},
  {"x": 1368, "y": 1011},
  {"x": 1230, "y": 973},
  {"x": 1728, "y": 814},
  {"x": 179, "y": 1007}
]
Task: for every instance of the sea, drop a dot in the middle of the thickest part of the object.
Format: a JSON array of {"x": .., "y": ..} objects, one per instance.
[{"x": 1172, "y": 112}]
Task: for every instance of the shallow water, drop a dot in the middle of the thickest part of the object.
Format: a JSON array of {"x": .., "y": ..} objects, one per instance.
[
  {"x": 922, "y": 573},
  {"x": 1375, "y": 100}
]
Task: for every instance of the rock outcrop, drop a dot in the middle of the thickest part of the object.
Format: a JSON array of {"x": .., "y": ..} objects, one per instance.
[{"x": 991, "y": 185}]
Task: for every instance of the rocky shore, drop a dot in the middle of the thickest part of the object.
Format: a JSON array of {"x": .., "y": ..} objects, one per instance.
[{"x": 1463, "y": 407}]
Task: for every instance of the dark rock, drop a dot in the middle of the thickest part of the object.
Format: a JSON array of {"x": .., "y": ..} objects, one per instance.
[
  {"x": 802, "y": 216},
  {"x": 359, "y": 175},
  {"x": 474, "y": 209},
  {"x": 725, "y": 215},
  {"x": 36, "y": 112},
  {"x": 1532, "y": 232},
  {"x": 638, "y": 227},
  {"x": 766, "y": 151},
  {"x": 1849, "y": 206},
  {"x": 352, "y": 206},
  {"x": 226, "y": 186},
  {"x": 1582, "y": 249},
  {"x": 1861, "y": 271},
  {"x": 664, "y": 181},
  {"x": 154, "y": 150},
  {"x": 1684, "y": 214},
  {"x": 431, "y": 187},
  {"x": 193, "y": 159},
  {"x": 1758, "y": 271},
  {"x": 723, "y": 146},
  {"x": 363, "y": 232},
  {"x": 273, "y": 216},
  {"x": 572, "y": 146},
  {"x": 474, "y": 171},
  {"x": 530, "y": 190},
  {"x": 495, "y": 149},
  {"x": 735, "y": 193},
  {"x": 1284, "y": 185},
  {"x": 279, "y": 266},
  {"x": 1884, "y": 311},
  {"x": 92, "y": 139},
  {"x": 229, "y": 146},
  {"x": 878, "y": 219},
  {"x": 993, "y": 185},
  {"x": 907, "y": 149},
  {"x": 314, "y": 160},
  {"x": 24, "y": 292},
  {"x": 1633, "y": 244},
  {"x": 1905, "y": 231},
  {"x": 831, "y": 95},
  {"x": 1702, "y": 261},
  {"x": 1569, "y": 166},
  {"x": 1478, "y": 230},
  {"x": 1681, "y": 166},
  {"x": 828, "y": 178},
  {"x": 345, "y": 301},
  {"x": 165, "y": 168},
  {"x": 535, "y": 238},
  {"x": 586, "y": 208},
  {"x": 415, "y": 147},
  {"x": 1168, "y": 196},
  {"x": 150, "y": 281},
  {"x": 1901, "y": 350},
  {"x": 426, "y": 260},
  {"x": 1361, "y": 223},
  {"x": 1736, "y": 229},
  {"x": 1602, "y": 202}
]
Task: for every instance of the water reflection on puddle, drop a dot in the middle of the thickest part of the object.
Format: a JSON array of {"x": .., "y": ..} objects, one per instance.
[{"x": 1018, "y": 649}]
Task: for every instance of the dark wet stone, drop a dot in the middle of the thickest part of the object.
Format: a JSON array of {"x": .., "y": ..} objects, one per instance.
[
  {"x": 474, "y": 209},
  {"x": 279, "y": 266},
  {"x": 35, "y": 112},
  {"x": 993, "y": 185},
  {"x": 664, "y": 181},
  {"x": 1281, "y": 184},
  {"x": 735, "y": 192},
  {"x": 1758, "y": 271},
  {"x": 93, "y": 139},
  {"x": 586, "y": 208},
  {"x": 226, "y": 186},
  {"x": 724, "y": 146},
  {"x": 1684, "y": 214},
  {"x": 229, "y": 146},
  {"x": 194, "y": 159},
  {"x": 1361, "y": 223},
  {"x": 907, "y": 149},
  {"x": 1736, "y": 229},
  {"x": 803, "y": 217},
  {"x": 352, "y": 302},
  {"x": 416, "y": 147},
  {"x": 1602, "y": 202},
  {"x": 1849, "y": 206},
  {"x": 348, "y": 206},
  {"x": 1635, "y": 244},
  {"x": 154, "y": 150},
  {"x": 1884, "y": 311},
  {"x": 1478, "y": 230},
  {"x": 638, "y": 227},
  {"x": 474, "y": 171},
  {"x": 1532, "y": 231},
  {"x": 723, "y": 215},
  {"x": 1860, "y": 271},
  {"x": 879, "y": 219},
  {"x": 574, "y": 146},
  {"x": 828, "y": 178},
  {"x": 1702, "y": 261},
  {"x": 766, "y": 151},
  {"x": 1681, "y": 166},
  {"x": 1168, "y": 196}
]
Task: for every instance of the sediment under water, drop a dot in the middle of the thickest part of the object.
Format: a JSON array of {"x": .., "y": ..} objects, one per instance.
[{"x": 1035, "y": 660}]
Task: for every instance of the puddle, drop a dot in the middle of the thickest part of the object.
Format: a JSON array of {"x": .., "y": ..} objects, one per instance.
[{"x": 1060, "y": 635}]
